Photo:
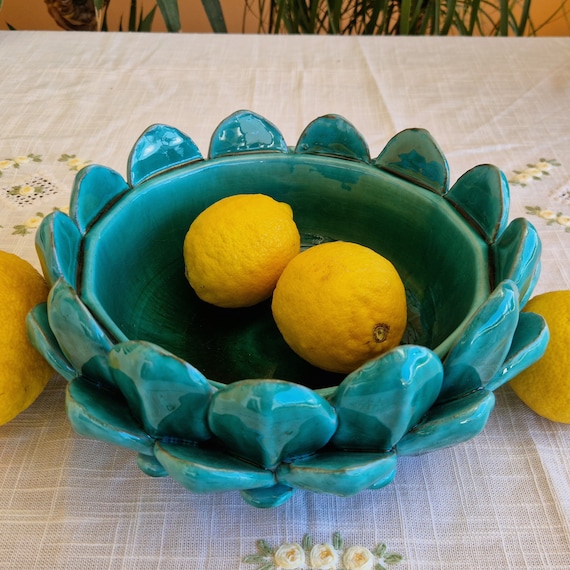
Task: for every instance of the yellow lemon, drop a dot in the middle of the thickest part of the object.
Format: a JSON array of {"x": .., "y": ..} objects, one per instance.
[
  {"x": 23, "y": 372},
  {"x": 236, "y": 249},
  {"x": 545, "y": 386},
  {"x": 340, "y": 304}
]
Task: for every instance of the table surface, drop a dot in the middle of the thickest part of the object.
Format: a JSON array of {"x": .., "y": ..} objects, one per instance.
[{"x": 500, "y": 500}]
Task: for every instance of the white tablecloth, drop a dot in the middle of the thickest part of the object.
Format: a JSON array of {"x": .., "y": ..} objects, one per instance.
[{"x": 501, "y": 500}]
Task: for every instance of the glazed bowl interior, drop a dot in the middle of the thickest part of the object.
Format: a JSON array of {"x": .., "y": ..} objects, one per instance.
[{"x": 134, "y": 278}]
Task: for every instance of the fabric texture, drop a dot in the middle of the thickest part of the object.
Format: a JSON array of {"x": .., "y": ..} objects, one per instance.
[{"x": 500, "y": 500}]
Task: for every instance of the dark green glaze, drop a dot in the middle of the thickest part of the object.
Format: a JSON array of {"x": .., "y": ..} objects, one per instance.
[
  {"x": 481, "y": 351},
  {"x": 169, "y": 396},
  {"x": 378, "y": 403},
  {"x": 450, "y": 423},
  {"x": 340, "y": 473},
  {"x": 208, "y": 471},
  {"x": 269, "y": 421}
]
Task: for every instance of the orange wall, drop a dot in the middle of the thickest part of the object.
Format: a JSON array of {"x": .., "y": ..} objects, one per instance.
[{"x": 33, "y": 15}]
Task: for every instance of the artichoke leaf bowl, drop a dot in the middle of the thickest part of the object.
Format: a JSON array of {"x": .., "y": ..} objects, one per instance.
[{"x": 213, "y": 397}]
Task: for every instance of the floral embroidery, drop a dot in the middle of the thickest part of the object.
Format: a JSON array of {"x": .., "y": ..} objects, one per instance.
[
  {"x": 73, "y": 162},
  {"x": 29, "y": 225},
  {"x": 36, "y": 187},
  {"x": 33, "y": 222},
  {"x": 533, "y": 172},
  {"x": 289, "y": 556},
  {"x": 550, "y": 216},
  {"x": 321, "y": 556},
  {"x": 15, "y": 162}
]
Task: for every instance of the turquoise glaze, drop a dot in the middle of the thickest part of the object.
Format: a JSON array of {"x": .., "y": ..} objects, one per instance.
[{"x": 214, "y": 398}]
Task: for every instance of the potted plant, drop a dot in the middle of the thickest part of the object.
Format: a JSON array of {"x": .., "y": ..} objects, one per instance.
[{"x": 378, "y": 17}]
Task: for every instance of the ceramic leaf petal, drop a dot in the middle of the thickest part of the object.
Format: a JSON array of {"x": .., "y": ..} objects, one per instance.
[
  {"x": 94, "y": 189},
  {"x": 209, "y": 471},
  {"x": 534, "y": 280},
  {"x": 517, "y": 256},
  {"x": 529, "y": 344},
  {"x": 150, "y": 465},
  {"x": 158, "y": 149},
  {"x": 246, "y": 131},
  {"x": 333, "y": 135},
  {"x": 43, "y": 340},
  {"x": 339, "y": 473},
  {"x": 99, "y": 413},
  {"x": 267, "y": 497},
  {"x": 481, "y": 350},
  {"x": 481, "y": 195},
  {"x": 82, "y": 340},
  {"x": 449, "y": 424},
  {"x": 415, "y": 156},
  {"x": 58, "y": 242},
  {"x": 267, "y": 421},
  {"x": 169, "y": 396},
  {"x": 379, "y": 402}
]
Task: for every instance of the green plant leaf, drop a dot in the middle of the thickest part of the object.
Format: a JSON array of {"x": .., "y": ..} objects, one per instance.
[
  {"x": 504, "y": 18},
  {"x": 405, "y": 12},
  {"x": 215, "y": 15},
  {"x": 145, "y": 23},
  {"x": 170, "y": 14},
  {"x": 133, "y": 16}
]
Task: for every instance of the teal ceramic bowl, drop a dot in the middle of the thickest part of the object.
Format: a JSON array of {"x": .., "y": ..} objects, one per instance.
[{"x": 214, "y": 397}]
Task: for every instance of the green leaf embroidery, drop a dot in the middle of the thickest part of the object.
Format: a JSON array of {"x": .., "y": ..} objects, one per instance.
[
  {"x": 307, "y": 542},
  {"x": 393, "y": 558},
  {"x": 263, "y": 548},
  {"x": 255, "y": 559},
  {"x": 379, "y": 550},
  {"x": 337, "y": 541},
  {"x": 21, "y": 230}
]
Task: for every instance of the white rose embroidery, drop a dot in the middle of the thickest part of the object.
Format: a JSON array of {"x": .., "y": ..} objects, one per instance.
[
  {"x": 289, "y": 556},
  {"x": 323, "y": 557},
  {"x": 358, "y": 558}
]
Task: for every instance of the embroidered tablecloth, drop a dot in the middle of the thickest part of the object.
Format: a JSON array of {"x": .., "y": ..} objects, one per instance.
[{"x": 500, "y": 500}]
